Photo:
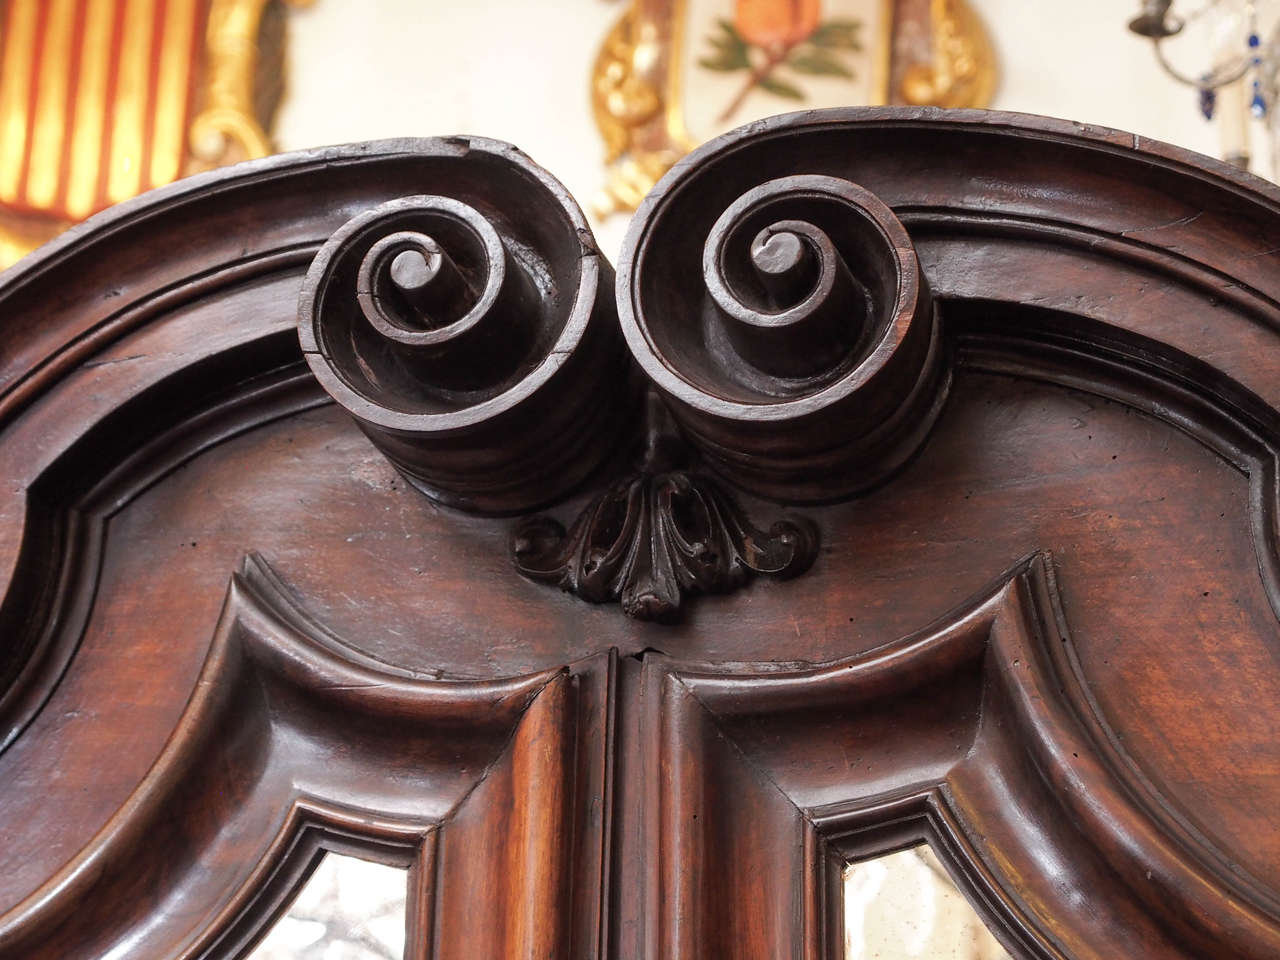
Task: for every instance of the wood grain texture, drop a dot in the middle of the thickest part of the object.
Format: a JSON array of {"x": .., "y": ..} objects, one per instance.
[
  {"x": 952, "y": 735},
  {"x": 283, "y": 750},
  {"x": 1082, "y": 335}
]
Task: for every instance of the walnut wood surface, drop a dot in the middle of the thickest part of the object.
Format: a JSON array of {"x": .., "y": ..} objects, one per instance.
[{"x": 1040, "y": 631}]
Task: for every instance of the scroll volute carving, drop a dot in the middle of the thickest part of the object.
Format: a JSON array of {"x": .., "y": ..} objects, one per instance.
[
  {"x": 471, "y": 333},
  {"x": 805, "y": 360}
]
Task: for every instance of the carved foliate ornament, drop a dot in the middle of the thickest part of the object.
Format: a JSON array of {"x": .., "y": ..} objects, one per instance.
[{"x": 658, "y": 535}]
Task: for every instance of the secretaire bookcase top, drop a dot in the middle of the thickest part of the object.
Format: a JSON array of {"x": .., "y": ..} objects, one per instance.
[{"x": 911, "y": 477}]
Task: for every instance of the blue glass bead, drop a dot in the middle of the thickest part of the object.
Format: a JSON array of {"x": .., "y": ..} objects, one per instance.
[
  {"x": 1255, "y": 40},
  {"x": 1208, "y": 100},
  {"x": 1258, "y": 106}
]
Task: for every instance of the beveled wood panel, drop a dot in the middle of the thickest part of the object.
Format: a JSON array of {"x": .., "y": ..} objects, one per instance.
[{"x": 767, "y": 777}]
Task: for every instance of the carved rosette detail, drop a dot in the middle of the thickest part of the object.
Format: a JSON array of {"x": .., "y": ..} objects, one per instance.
[{"x": 654, "y": 538}]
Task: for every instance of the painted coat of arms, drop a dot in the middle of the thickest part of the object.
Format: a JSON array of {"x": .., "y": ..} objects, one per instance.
[
  {"x": 674, "y": 73},
  {"x": 102, "y": 99}
]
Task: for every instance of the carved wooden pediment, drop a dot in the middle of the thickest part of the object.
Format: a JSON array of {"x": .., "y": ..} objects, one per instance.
[{"x": 913, "y": 479}]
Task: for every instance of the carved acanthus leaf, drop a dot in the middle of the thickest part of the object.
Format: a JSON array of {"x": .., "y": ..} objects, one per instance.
[{"x": 654, "y": 538}]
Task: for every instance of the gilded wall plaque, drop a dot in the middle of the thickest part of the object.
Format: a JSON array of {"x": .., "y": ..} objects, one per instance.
[
  {"x": 103, "y": 99},
  {"x": 674, "y": 73}
]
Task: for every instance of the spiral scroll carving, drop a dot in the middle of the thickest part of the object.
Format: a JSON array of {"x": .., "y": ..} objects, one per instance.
[
  {"x": 471, "y": 333},
  {"x": 805, "y": 362}
]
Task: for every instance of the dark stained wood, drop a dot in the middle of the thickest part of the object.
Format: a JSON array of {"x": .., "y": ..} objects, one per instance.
[
  {"x": 1017, "y": 381},
  {"x": 284, "y": 750},
  {"x": 812, "y": 397},
  {"x": 660, "y": 534},
  {"x": 494, "y": 379}
]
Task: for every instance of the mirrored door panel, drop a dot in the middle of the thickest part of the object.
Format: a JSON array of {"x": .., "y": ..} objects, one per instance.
[
  {"x": 905, "y": 906},
  {"x": 349, "y": 909}
]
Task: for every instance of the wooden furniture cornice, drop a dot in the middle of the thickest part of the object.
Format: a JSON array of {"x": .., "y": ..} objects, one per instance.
[{"x": 914, "y": 479}]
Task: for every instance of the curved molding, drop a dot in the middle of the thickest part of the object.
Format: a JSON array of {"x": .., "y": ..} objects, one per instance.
[
  {"x": 779, "y": 443},
  {"x": 64, "y": 529},
  {"x": 864, "y": 145},
  {"x": 198, "y": 220},
  {"x": 1144, "y": 375},
  {"x": 1195, "y": 220},
  {"x": 290, "y": 714},
  {"x": 964, "y": 729},
  {"x": 1137, "y": 216},
  {"x": 311, "y": 829}
]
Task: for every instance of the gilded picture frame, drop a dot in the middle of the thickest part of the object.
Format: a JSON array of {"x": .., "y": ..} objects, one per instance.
[
  {"x": 659, "y": 82},
  {"x": 103, "y": 99}
]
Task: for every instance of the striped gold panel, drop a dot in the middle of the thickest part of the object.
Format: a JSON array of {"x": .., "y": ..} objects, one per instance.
[
  {"x": 173, "y": 92},
  {"x": 97, "y": 53},
  {"x": 50, "y": 121},
  {"x": 131, "y": 102},
  {"x": 21, "y": 33},
  {"x": 94, "y": 99}
]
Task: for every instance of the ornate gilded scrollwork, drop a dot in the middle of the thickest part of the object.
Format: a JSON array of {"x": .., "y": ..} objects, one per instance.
[
  {"x": 631, "y": 88},
  {"x": 962, "y": 71},
  {"x": 228, "y": 126}
]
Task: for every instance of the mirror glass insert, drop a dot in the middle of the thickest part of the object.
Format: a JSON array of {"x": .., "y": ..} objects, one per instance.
[
  {"x": 905, "y": 906},
  {"x": 349, "y": 909}
]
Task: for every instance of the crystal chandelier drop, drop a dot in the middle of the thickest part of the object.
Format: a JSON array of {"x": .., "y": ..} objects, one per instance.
[
  {"x": 1220, "y": 20},
  {"x": 1219, "y": 47}
]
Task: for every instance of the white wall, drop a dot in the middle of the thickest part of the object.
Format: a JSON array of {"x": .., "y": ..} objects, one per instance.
[
  {"x": 515, "y": 70},
  {"x": 1079, "y": 61},
  {"x": 518, "y": 70}
]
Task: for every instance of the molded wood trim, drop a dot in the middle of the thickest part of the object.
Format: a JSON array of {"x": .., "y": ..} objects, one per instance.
[
  {"x": 293, "y": 742},
  {"x": 976, "y": 734}
]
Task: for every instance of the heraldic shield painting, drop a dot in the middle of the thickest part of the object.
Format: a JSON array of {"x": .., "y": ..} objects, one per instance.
[
  {"x": 103, "y": 99},
  {"x": 672, "y": 74},
  {"x": 759, "y": 57}
]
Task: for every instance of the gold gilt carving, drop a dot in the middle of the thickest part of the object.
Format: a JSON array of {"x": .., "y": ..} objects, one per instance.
[
  {"x": 640, "y": 93},
  {"x": 962, "y": 72},
  {"x": 631, "y": 85},
  {"x": 103, "y": 99},
  {"x": 227, "y": 128}
]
